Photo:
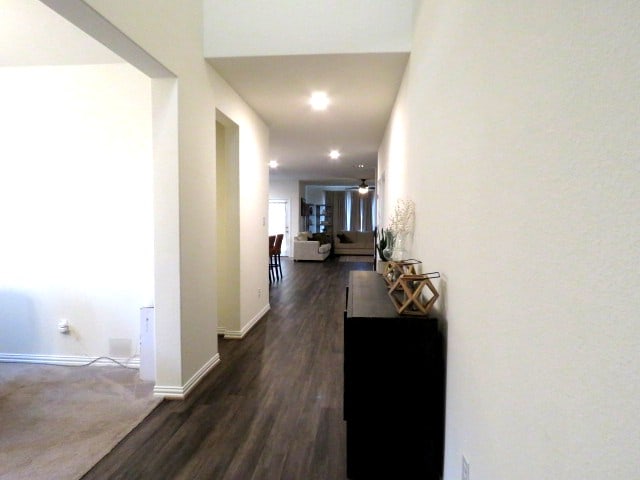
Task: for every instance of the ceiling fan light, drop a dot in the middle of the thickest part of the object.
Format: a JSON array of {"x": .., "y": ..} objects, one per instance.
[{"x": 363, "y": 190}]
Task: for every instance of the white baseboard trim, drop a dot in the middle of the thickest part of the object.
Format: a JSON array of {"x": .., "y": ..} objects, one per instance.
[
  {"x": 238, "y": 334},
  {"x": 222, "y": 330},
  {"x": 69, "y": 360},
  {"x": 180, "y": 393}
]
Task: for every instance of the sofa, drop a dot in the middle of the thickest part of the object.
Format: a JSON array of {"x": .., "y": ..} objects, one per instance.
[
  {"x": 306, "y": 248},
  {"x": 353, "y": 243}
]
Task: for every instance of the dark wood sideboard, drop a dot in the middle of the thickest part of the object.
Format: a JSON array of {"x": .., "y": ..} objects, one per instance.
[{"x": 393, "y": 386}]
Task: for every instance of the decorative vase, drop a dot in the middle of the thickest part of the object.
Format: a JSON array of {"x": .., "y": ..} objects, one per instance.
[
  {"x": 399, "y": 252},
  {"x": 381, "y": 266}
]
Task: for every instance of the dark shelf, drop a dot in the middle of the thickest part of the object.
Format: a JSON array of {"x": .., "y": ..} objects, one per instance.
[{"x": 393, "y": 386}]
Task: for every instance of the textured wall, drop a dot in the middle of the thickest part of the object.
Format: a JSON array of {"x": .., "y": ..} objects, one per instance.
[
  {"x": 76, "y": 207},
  {"x": 519, "y": 141}
]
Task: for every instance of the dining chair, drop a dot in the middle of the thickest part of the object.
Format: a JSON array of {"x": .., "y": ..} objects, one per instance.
[
  {"x": 272, "y": 264},
  {"x": 277, "y": 250}
]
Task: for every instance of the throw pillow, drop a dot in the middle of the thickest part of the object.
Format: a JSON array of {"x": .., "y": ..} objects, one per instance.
[
  {"x": 321, "y": 237},
  {"x": 344, "y": 239}
]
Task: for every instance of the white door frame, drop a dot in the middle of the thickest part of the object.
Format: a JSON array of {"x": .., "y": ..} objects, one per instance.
[{"x": 286, "y": 241}]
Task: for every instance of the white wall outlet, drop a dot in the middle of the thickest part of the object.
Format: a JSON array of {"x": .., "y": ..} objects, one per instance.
[
  {"x": 63, "y": 326},
  {"x": 259, "y": 293},
  {"x": 465, "y": 468}
]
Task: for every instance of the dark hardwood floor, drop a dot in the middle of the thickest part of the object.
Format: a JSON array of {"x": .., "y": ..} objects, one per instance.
[{"x": 272, "y": 409}]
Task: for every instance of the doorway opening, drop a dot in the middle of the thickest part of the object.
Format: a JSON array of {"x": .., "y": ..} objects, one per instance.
[
  {"x": 279, "y": 220},
  {"x": 228, "y": 222}
]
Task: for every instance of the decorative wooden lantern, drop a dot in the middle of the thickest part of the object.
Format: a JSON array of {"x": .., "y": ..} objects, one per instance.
[
  {"x": 395, "y": 269},
  {"x": 409, "y": 296}
]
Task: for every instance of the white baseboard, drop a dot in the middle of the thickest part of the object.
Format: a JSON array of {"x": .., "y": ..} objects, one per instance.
[
  {"x": 179, "y": 393},
  {"x": 238, "y": 334},
  {"x": 69, "y": 360}
]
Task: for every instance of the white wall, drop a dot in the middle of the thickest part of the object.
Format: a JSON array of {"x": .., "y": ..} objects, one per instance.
[
  {"x": 252, "y": 294},
  {"x": 289, "y": 27},
  {"x": 76, "y": 207},
  {"x": 228, "y": 237},
  {"x": 314, "y": 194},
  {"x": 171, "y": 39},
  {"x": 517, "y": 132},
  {"x": 172, "y": 34}
]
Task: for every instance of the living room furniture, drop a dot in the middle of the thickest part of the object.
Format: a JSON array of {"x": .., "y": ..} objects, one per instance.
[
  {"x": 324, "y": 219},
  {"x": 275, "y": 250},
  {"x": 393, "y": 386},
  {"x": 317, "y": 218},
  {"x": 353, "y": 243},
  {"x": 306, "y": 249},
  {"x": 272, "y": 242}
]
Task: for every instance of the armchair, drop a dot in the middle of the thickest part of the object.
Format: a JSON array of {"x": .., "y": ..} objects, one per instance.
[{"x": 305, "y": 249}]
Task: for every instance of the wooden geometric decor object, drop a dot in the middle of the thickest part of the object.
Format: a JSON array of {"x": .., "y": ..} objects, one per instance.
[
  {"x": 395, "y": 269},
  {"x": 406, "y": 293}
]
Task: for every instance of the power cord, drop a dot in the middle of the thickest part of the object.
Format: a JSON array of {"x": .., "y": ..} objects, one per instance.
[{"x": 108, "y": 358}]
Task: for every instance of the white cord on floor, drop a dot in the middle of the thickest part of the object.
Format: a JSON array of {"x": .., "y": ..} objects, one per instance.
[{"x": 106, "y": 358}]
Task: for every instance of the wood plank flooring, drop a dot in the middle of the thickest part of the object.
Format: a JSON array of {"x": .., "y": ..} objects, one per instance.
[{"x": 272, "y": 409}]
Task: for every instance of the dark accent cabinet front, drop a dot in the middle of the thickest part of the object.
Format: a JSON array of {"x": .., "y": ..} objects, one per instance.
[{"x": 393, "y": 387}]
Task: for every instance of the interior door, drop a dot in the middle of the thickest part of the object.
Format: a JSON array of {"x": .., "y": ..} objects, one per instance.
[{"x": 279, "y": 222}]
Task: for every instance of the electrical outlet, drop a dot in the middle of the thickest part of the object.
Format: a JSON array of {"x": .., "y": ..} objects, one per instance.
[
  {"x": 63, "y": 326},
  {"x": 465, "y": 468},
  {"x": 259, "y": 293}
]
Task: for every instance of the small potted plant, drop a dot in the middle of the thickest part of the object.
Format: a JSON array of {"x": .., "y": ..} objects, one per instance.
[{"x": 384, "y": 247}]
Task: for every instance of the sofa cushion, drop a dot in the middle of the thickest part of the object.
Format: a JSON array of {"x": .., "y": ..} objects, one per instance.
[
  {"x": 344, "y": 238},
  {"x": 356, "y": 243},
  {"x": 325, "y": 247},
  {"x": 321, "y": 237},
  {"x": 364, "y": 237}
]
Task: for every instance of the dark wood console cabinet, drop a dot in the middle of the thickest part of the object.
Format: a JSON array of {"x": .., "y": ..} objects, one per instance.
[{"x": 393, "y": 387}]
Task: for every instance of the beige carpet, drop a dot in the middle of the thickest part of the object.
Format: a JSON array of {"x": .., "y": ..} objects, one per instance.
[
  {"x": 57, "y": 422},
  {"x": 356, "y": 258}
]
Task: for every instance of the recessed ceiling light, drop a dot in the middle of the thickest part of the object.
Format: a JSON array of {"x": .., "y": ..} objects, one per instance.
[
  {"x": 273, "y": 164},
  {"x": 334, "y": 154},
  {"x": 319, "y": 100}
]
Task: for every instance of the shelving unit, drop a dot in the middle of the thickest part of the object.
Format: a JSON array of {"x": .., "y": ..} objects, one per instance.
[
  {"x": 316, "y": 218},
  {"x": 324, "y": 219}
]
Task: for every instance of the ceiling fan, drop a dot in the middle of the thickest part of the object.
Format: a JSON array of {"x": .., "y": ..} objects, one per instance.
[{"x": 363, "y": 187}]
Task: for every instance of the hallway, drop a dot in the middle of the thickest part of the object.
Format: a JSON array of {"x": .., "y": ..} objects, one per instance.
[{"x": 272, "y": 409}]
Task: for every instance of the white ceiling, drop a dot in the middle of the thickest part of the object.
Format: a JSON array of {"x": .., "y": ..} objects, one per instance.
[
  {"x": 362, "y": 89},
  {"x": 33, "y": 34}
]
